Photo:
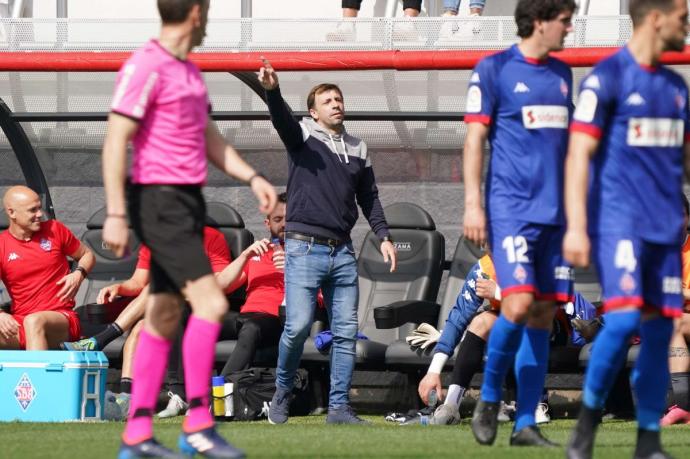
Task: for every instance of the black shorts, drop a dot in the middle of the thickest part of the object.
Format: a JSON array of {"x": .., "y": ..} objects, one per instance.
[{"x": 169, "y": 220}]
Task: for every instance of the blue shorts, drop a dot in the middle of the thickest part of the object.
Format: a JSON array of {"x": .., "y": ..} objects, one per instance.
[
  {"x": 633, "y": 272},
  {"x": 528, "y": 258}
]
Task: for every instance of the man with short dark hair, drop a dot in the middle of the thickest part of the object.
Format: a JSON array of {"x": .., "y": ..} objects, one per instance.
[
  {"x": 520, "y": 100},
  {"x": 161, "y": 103},
  {"x": 35, "y": 270},
  {"x": 261, "y": 268},
  {"x": 330, "y": 173},
  {"x": 631, "y": 130}
]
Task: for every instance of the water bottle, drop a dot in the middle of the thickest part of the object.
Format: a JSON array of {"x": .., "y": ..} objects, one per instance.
[
  {"x": 218, "y": 391},
  {"x": 432, "y": 400}
]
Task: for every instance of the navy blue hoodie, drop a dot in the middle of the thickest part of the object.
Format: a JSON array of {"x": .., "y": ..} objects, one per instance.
[{"x": 328, "y": 176}]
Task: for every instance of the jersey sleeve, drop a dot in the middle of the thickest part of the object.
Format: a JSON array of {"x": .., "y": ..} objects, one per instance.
[
  {"x": 67, "y": 240},
  {"x": 481, "y": 94},
  {"x": 217, "y": 249},
  {"x": 593, "y": 105},
  {"x": 135, "y": 88},
  {"x": 144, "y": 260}
]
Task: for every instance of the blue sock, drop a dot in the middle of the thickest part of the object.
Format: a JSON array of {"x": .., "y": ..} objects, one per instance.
[
  {"x": 531, "y": 362},
  {"x": 650, "y": 377},
  {"x": 607, "y": 357},
  {"x": 503, "y": 344}
]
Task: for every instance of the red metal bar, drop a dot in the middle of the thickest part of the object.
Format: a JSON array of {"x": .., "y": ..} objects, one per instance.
[{"x": 95, "y": 61}]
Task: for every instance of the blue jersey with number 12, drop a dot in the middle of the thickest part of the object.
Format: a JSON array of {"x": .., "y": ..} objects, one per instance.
[
  {"x": 527, "y": 104},
  {"x": 641, "y": 116}
]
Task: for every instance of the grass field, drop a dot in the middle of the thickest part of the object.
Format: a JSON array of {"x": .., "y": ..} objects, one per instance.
[{"x": 309, "y": 437}]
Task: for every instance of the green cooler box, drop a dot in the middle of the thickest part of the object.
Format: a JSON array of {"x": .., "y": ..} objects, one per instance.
[{"x": 52, "y": 386}]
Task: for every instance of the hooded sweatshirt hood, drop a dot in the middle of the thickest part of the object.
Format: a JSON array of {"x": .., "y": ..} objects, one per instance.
[{"x": 344, "y": 145}]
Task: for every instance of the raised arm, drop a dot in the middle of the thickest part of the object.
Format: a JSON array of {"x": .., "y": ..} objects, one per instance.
[{"x": 284, "y": 122}]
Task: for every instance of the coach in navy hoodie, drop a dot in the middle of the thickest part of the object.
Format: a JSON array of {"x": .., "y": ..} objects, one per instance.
[{"x": 329, "y": 174}]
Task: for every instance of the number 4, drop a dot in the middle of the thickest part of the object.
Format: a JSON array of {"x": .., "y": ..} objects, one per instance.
[
  {"x": 625, "y": 255},
  {"x": 516, "y": 249}
]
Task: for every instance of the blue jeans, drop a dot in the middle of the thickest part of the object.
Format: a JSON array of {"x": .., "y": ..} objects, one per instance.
[
  {"x": 454, "y": 5},
  {"x": 308, "y": 268}
]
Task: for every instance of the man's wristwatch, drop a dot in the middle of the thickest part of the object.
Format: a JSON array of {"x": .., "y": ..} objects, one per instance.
[
  {"x": 387, "y": 239},
  {"x": 82, "y": 271}
]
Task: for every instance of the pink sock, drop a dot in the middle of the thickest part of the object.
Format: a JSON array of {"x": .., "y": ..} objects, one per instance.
[
  {"x": 150, "y": 362},
  {"x": 198, "y": 353}
]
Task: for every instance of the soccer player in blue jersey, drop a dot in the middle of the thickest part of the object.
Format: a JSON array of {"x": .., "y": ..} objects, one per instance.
[
  {"x": 630, "y": 129},
  {"x": 520, "y": 100}
]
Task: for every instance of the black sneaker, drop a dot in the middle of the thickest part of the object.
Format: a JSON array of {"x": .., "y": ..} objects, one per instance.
[
  {"x": 280, "y": 406},
  {"x": 581, "y": 442},
  {"x": 146, "y": 448},
  {"x": 655, "y": 455},
  {"x": 531, "y": 436},
  {"x": 485, "y": 422},
  {"x": 343, "y": 415}
]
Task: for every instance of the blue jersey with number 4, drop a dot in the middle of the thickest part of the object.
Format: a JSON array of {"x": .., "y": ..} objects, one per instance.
[
  {"x": 527, "y": 104},
  {"x": 640, "y": 114}
]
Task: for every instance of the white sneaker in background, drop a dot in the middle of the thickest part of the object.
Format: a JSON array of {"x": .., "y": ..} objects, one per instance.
[
  {"x": 506, "y": 412},
  {"x": 344, "y": 31},
  {"x": 176, "y": 406},
  {"x": 541, "y": 415},
  {"x": 405, "y": 31}
]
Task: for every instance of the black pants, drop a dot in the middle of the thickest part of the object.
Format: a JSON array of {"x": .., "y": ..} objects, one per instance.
[{"x": 251, "y": 330}]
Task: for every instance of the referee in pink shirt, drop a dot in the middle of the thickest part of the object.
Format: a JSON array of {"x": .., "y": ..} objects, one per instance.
[{"x": 162, "y": 106}]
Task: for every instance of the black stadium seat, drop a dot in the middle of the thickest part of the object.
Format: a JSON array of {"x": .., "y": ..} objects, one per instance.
[
  {"x": 108, "y": 269},
  {"x": 413, "y": 360},
  {"x": 417, "y": 278}
]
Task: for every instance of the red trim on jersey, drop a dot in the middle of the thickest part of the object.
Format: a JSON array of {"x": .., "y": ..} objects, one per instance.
[
  {"x": 619, "y": 302},
  {"x": 535, "y": 61},
  {"x": 477, "y": 118},
  {"x": 649, "y": 68},
  {"x": 666, "y": 311},
  {"x": 518, "y": 289},
  {"x": 589, "y": 129},
  {"x": 557, "y": 297}
]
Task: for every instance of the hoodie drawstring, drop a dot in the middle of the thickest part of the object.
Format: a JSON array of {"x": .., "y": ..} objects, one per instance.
[{"x": 342, "y": 142}]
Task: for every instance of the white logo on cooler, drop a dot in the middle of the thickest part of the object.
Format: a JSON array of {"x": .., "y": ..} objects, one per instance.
[
  {"x": 545, "y": 116},
  {"x": 655, "y": 132}
]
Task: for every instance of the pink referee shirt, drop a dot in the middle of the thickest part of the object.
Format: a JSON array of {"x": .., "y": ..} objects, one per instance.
[{"x": 168, "y": 97}]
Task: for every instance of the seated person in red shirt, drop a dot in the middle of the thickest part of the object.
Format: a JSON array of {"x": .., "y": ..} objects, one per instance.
[
  {"x": 131, "y": 317},
  {"x": 261, "y": 268},
  {"x": 35, "y": 270}
]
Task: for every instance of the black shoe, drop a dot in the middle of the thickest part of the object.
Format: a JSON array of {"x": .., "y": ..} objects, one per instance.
[
  {"x": 649, "y": 445},
  {"x": 655, "y": 455},
  {"x": 581, "y": 442},
  {"x": 531, "y": 436},
  {"x": 485, "y": 422}
]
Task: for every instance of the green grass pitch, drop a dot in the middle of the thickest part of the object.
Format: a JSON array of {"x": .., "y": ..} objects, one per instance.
[{"x": 309, "y": 437}]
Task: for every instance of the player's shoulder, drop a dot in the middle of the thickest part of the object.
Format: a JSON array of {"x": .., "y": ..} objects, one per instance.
[
  {"x": 674, "y": 77},
  {"x": 492, "y": 65},
  {"x": 559, "y": 66},
  {"x": 213, "y": 233},
  {"x": 150, "y": 57}
]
